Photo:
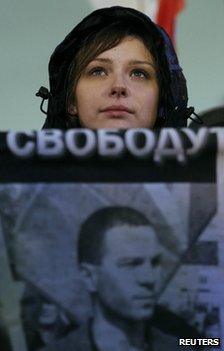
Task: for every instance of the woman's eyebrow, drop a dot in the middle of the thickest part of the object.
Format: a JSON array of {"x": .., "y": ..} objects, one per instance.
[
  {"x": 130, "y": 63},
  {"x": 137, "y": 62},
  {"x": 106, "y": 60}
]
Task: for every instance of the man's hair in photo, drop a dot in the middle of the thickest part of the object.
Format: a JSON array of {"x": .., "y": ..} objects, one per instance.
[{"x": 93, "y": 229}]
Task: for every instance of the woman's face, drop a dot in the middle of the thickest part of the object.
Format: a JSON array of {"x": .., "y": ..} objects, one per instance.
[{"x": 118, "y": 89}]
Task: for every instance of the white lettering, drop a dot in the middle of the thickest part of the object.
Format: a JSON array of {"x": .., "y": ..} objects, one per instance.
[
  {"x": 216, "y": 342},
  {"x": 169, "y": 145},
  {"x": 131, "y": 138},
  {"x": 84, "y": 150},
  {"x": 198, "y": 139},
  {"x": 109, "y": 143},
  {"x": 13, "y": 140},
  {"x": 220, "y": 137},
  {"x": 181, "y": 341},
  {"x": 200, "y": 342},
  {"x": 50, "y": 143}
]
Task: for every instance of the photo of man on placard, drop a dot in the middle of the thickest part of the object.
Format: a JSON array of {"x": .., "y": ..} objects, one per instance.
[
  {"x": 91, "y": 271},
  {"x": 119, "y": 259}
]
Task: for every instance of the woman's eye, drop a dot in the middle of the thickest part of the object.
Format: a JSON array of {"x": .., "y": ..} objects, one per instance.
[
  {"x": 98, "y": 72},
  {"x": 139, "y": 74}
]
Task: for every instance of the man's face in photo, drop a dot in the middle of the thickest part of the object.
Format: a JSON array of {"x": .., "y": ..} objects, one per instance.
[{"x": 129, "y": 273}]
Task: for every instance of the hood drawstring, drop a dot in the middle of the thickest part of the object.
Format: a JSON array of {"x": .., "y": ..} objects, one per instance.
[
  {"x": 190, "y": 111},
  {"x": 45, "y": 94}
]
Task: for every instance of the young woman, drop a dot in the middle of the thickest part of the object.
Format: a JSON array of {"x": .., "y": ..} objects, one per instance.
[{"x": 115, "y": 69}]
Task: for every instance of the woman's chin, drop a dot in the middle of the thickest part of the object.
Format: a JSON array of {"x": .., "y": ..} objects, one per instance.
[
  {"x": 113, "y": 123},
  {"x": 116, "y": 124}
]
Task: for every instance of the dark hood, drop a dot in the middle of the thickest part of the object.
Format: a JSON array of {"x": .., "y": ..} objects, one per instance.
[{"x": 62, "y": 57}]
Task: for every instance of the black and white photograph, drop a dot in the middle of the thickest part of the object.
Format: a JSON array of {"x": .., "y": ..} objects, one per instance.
[
  {"x": 111, "y": 175},
  {"x": 110, "y": 266}
]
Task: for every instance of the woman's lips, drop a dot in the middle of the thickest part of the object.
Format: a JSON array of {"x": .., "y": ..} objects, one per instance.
[{"x": 117, "y": 111}]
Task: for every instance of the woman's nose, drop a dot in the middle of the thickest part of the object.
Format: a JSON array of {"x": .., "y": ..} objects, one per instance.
[{"x": 118, "y": 87}]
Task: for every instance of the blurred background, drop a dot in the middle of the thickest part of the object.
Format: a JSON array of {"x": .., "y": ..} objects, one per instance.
[{"x": 30, "y": 30}]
